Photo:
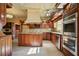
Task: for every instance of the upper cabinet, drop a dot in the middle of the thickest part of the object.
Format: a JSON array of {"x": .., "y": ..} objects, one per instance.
[
  {"x": 70, "y": 8},
  {"x": 3, "y": 13},
  {"x": 58, "y": 14},
  {"x": 57, "y": 21},
  {"x": 59, "y": 26},
  {"x": 3, "y": 7},
  {"x": 8, "y": 5}
]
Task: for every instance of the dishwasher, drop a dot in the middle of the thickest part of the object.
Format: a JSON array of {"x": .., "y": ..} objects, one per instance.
[{"x": 58, "y": 41}]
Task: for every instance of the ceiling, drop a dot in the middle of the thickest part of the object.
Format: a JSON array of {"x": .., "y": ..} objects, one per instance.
[
  {"x": 31, "y": 10},
  {"x": 34, "y": 5}
]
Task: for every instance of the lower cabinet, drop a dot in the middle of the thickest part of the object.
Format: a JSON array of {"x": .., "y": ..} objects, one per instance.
[
  {"x": 53, "y": 37},
  {"x": 0, "y": 47},
  {"x": 30, "y": 40},
  {"x": 3, "y": 40},
  {"x": 6, "y": 45},
  {"x": 46, "y": 36}
]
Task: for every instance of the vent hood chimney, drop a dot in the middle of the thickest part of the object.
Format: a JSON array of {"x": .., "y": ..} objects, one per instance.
[{"x": 33, "y": 16}]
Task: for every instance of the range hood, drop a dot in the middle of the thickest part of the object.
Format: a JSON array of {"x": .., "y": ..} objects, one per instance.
[
  {"x": 33, "y": 16},
  {"x": 33, "y": 20}
]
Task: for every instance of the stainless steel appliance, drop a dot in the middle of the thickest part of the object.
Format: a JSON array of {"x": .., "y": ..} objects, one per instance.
[
  {"x": 69, "y": 25},
  {"x": 70, "y": 33},
  {"x": 58, "y": 41},
  {"x": 70, "y": 43}
]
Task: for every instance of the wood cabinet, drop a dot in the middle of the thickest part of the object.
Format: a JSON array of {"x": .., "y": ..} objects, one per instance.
[
  {"x": 53, "y": 37},
  {"x": 46, "y": 36},
  {"x": 6, "y": 45},
  {"x": 5, "y": 40},
  {"x": 3, "y": 47},
  {"x": 9, "y": 5},
  {"x": 61, "y": 43},
  {"x": 30, "y": 39},
  {"x": 3, "y": 13},
  {"x": 69, "y": 7},
  {"x": 0, "y": 47},
  {"x": 9, "y": 45}
]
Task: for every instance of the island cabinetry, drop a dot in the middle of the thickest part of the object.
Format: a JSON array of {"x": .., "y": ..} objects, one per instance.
[{"x": 30, "y": 40}]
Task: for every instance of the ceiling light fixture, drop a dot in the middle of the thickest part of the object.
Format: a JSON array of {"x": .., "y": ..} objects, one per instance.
[{"x": 9, "y": 16}]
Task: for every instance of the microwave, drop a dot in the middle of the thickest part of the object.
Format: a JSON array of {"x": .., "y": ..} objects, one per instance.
[{"x": 70, "y": 25}]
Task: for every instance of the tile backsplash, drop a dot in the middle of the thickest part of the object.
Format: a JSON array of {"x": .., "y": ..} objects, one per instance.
[{"x": 37, "y": 31}]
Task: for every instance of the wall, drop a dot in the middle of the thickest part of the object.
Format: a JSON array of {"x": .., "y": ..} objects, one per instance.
[{"x": 14, "y": 20}]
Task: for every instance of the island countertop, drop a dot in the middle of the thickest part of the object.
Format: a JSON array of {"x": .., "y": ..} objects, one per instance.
[{"x": 35, "y": 31}]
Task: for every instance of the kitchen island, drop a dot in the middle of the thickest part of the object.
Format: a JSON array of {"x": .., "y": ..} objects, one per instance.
[
  {"x": 30, "y": 40},
  {"x": 32, "y": 37}
]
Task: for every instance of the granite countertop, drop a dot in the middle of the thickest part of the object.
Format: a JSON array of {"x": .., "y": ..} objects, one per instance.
[
  {"x": 34, "y": 31},
  {"x": 30, "y": 33},
  {"x": 58, "y": 33}
]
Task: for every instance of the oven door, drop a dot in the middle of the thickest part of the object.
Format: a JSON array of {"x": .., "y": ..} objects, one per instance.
[
  {"x": 70, "y": 29},
  {"x": 70, "y": 43},
  {"x": 70, "y": 25}
]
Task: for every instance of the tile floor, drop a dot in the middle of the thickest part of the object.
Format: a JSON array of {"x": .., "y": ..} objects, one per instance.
[{"x": 48, "y": 49}]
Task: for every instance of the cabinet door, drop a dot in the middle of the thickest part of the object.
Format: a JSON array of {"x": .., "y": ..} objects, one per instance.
[
  {"x": 22, "y": 40},
  {"x": 30, "y": 39},
  {"x": 44, "y": 36},
  {"x": 3, "y": 13},
  {"x": 54, "y": 39},
  {"x": 39, "y": 40},
  {"x": 19, "y": 39},
  {"x": 25, "y": 39},
  {"x": 48, "y": 36},
  {"x": 0, "y": 47},
  {"x": 8, "y": 45},
  {"x": 3, "y": 53}
]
